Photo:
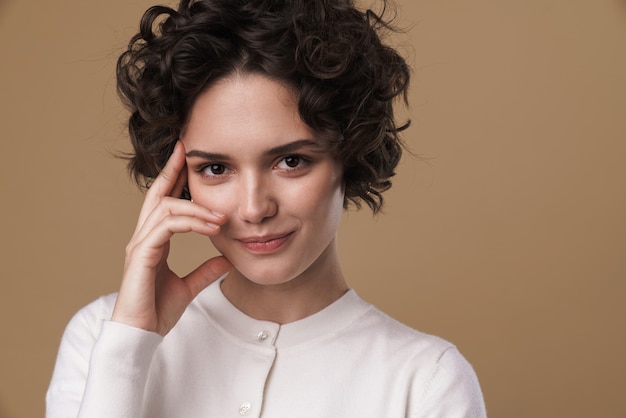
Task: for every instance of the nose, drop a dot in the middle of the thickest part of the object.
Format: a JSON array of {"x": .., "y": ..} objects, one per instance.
[{"x": 256, "y": 200}]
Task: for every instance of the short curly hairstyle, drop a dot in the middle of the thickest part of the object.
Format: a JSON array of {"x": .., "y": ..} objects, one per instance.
[{"x": 345, "y": 78}]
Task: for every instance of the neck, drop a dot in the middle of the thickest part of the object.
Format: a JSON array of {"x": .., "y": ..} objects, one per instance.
[{"x": 290, "y": 301}]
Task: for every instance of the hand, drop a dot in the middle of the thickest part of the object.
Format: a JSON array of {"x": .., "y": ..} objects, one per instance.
[{"x": 152, "y": 297}]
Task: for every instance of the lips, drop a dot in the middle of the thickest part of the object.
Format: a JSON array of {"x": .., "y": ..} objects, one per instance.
[{"x": 265, "y": 244}]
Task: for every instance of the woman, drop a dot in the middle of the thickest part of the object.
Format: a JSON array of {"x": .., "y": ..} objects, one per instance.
[{"x": 269, "y": 117}]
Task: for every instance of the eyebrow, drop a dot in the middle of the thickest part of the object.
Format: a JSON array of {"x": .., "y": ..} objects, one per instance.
[{"x": 281, "y": 149}]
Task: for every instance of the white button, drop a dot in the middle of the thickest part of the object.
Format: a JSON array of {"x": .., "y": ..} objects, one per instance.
[
  {"x": 263, "y": 335},
  {"x": 245, "y": 408}
]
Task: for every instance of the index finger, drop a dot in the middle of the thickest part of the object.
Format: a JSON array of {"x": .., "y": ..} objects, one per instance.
[{"x": 171, "y": 178}]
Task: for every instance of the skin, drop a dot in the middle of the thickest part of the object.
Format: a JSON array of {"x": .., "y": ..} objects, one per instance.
[{"x": 267, "y": 194}]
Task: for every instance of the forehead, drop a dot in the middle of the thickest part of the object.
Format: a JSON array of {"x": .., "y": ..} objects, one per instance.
[{"x": 243, "y": 108}]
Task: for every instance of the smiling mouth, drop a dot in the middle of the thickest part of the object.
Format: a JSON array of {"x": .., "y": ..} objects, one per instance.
[{"x": 266, "y": 244}]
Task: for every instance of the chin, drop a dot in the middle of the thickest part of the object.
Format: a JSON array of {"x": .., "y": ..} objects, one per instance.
[{"x": 264, "y": 275}]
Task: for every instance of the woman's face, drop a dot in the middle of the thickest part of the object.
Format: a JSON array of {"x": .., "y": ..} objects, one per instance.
[{"x": 251, "y": 158}]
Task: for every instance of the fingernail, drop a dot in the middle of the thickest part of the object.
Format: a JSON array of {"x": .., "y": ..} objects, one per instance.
[
  {"x": 213, "y": 226},
  {"x": 218, "y": 214}
]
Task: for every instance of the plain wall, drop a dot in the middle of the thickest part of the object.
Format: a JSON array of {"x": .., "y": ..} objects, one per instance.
[{"x": 505, "y": 234}]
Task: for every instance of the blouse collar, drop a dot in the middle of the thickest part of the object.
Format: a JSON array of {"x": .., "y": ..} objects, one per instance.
[{"x": 325, "y": 323}]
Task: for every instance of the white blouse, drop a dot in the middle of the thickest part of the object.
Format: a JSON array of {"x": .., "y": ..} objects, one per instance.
[{"x": 348, "y": 360}]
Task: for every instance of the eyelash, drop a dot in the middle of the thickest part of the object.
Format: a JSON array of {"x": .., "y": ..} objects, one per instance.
[
  {"x": 302, "y": 163},
  {"x": 202, "y": 170}
]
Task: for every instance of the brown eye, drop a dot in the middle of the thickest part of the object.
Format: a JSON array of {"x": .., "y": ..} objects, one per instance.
[
  {"x": 217, "y": 169},
  {"x": 214, "y": 169},
  {"x": 292, "y": 161}
]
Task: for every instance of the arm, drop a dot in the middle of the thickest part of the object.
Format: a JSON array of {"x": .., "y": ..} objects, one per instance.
[
  {"x": 118, "y": 371},
  {"x": 102, "y": 367},
  {"x": 453, "y": 390}
]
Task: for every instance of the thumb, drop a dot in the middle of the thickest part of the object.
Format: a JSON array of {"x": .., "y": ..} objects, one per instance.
[{"x": 207, "y": 273}]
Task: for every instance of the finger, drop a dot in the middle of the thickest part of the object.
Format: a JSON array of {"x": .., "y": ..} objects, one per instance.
[
  {"x": 171, "y": 207},
  {"x": 150, "y": 246},
  {"x": 167, "y": 178},
  {"x": 165, "y": 182},
  {"x": 180, "y": 184},
  {"x": 207, "y": 273}
]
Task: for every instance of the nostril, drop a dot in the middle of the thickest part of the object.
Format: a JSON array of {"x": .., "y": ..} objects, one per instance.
[{"x": 257, "y": 206}]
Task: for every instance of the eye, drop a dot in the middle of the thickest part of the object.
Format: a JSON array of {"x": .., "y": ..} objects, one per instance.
[
  {"x": 291, "y": 162},
  {"x": 213, "y": 170}
]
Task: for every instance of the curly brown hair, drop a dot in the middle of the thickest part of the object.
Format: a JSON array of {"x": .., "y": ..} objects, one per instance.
[{"x": 332, "y": 55}]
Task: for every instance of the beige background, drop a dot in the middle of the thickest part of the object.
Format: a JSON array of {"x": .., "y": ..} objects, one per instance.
[{"x": 507, "y": 237}]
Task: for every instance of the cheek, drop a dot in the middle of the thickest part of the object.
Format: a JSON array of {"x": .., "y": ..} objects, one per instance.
[
  {"x": 335, "y": 206},
  {"x": 321, "y": 200},
  {"x": 216, "y": 198}
]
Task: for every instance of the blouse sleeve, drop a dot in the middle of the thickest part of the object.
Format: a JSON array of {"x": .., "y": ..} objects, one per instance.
[
  {"x": 101, "y": 368},
  {"x": 453, "y": 390}
]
